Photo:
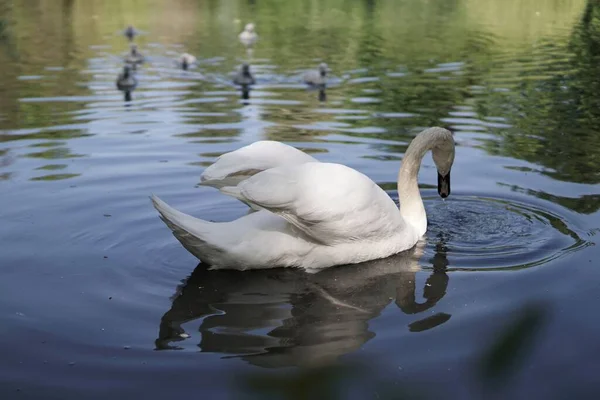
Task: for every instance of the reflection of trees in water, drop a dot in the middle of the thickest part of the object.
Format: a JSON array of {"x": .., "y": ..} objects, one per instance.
[
  {"x": 556, "y": 119},
  {"x": 284, "y": 317},
  {"x": 429, "y": 95},
  {"x": 586, "y": 204}
]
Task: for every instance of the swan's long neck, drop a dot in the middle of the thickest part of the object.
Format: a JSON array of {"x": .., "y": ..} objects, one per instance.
[{"x": 411, "y": 203}]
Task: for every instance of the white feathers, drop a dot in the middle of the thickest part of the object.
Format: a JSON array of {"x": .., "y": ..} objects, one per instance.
[
  {"x": 248, "y": 36},
  {"x": 238, "y": 165},
  {"x": 330, "y": 203}
]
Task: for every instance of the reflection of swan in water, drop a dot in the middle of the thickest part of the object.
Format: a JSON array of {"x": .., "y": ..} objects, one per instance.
[{"x": 286, "y": 317}]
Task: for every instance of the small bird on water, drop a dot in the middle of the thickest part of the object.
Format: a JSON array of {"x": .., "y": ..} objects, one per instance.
[
  {"x": 186, "y": 60},
  {"x": 248, "y": 36},
  {"x": 130, "y": 32},
  {"x": 317, "y": 77},
  {"x": 134, "y": 57},
  {"x": 244, "y": 76},
  {"x": 244, "y": 79},
  {"x": 126, "y": 82}
]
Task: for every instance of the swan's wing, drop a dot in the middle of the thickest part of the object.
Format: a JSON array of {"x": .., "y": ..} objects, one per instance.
[
  {"x": 236, "y": 166},
  {"x": 329, "y": 202}
]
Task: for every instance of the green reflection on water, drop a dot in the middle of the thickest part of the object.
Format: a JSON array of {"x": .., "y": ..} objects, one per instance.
[
  {"x": 427, "y": 58},
  {"x": 55, "y": 153},
  {"x": 556, "y": 118},
  {"x": 54, "y": 177},
  {"x": 52, "y": 167}
]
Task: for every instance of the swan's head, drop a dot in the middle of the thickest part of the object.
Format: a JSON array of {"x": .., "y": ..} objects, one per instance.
[
  {"x": 443, "y": 157},
  {"x": 126, "y": 71},
  {"x": 249, "y": 27},
  {"x": 323, "y": 69}
]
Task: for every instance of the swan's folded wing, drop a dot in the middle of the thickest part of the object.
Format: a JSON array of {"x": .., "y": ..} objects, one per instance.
[
  {"x": 329, "y": 202},
  {"x": 236, "y": 166}
]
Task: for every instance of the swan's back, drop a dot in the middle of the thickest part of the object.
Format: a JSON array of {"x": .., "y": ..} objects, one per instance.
[
  {"x": 232, "y": 168},
  {"x": 329, "y": 202}
]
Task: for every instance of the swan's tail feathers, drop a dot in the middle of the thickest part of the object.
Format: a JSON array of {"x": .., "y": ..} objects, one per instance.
[{"x": 193, "y": 233}]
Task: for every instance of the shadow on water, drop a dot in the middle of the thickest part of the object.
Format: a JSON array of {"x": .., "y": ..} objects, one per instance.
[{"x": 285, "y": 317}]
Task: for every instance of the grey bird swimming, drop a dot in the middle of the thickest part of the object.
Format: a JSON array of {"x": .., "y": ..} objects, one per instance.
[
  {"x": 316, "y": 77},
  {"x": 134, "y": 57},
  {"x": 244, "y": 77},
  {"x": 126, "y": 82},
  {"x": 130, "y": 32}
]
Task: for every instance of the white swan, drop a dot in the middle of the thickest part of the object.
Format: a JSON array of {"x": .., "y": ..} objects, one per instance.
[{"x": 314, "y": 215}]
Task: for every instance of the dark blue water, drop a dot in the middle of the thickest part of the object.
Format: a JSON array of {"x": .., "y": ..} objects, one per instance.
[{"x": 499, "y": 300}]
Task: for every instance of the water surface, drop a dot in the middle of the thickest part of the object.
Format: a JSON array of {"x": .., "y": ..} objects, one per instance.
[{"x": 100, "y": 301}]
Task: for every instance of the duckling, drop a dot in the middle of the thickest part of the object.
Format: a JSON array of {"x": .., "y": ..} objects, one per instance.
[
  {"x": 134, "y": 57},
  {"x": 186, "y": 60},
  {"x": 248, "y": 37},
  {"x": 244, "y": 78},
  {"x": 126, "y": 82},
  {"x": 316, "y": 77},
  {"x": 130, "y": 32}
]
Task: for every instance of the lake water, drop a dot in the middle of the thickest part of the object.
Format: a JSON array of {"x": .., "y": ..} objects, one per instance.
[{"x": 499, "y": 300}]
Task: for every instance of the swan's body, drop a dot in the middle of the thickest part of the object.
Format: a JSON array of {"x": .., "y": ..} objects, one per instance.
[
  {"x": 186, "y": 60},
  {"x": 312, "y": 215},
  {"x": 317, "y": 77},
  {"x": 248, "y": 36}
]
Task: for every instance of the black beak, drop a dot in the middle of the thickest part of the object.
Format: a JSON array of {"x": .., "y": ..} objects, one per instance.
[{"x": 444, "y": 185}]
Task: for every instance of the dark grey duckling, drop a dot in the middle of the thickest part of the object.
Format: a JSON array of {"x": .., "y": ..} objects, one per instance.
[
  {"x": 134, "y": 57},
  {"x": 130, "y": 32},
  {"x": 126, "y": 82},
  {"x": 244, "y": 77}
]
